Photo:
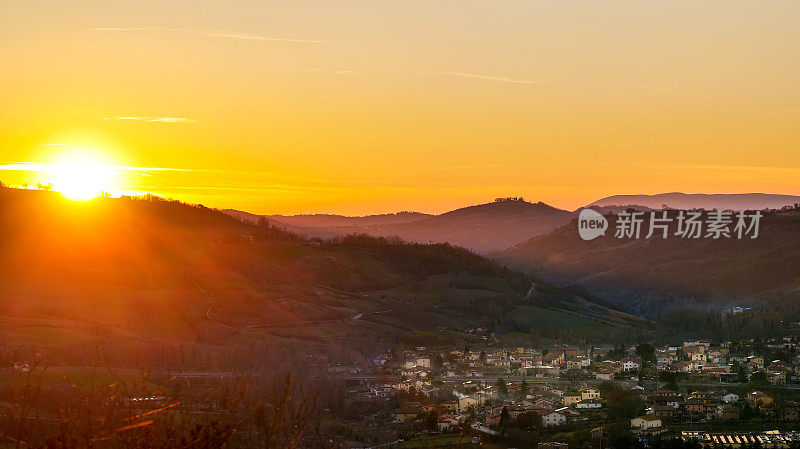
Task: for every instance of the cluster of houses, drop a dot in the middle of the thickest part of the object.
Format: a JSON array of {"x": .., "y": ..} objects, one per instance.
[
  {"x": 479, "y": 387},
  {"x": 720, "y": 405},
  {"x": 485, "y": 407},
  {"x": 703, "y": 362},
  {"x": 695, "y": 361}
]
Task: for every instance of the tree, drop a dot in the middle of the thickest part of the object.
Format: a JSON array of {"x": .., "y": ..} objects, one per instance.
[
  {"x": 431, "y": 420},
  {"x": 759, "y": 377},
  {"x": 262, "y": 221},
  {"x": 523, "y": 387},
  {"x": 671, "y": 378},
  {"x": 741, "y": 375},
  {"x": 505, "y": 417},
  {"x": 647, "y": 353},
  {"x": 502, "y": 388},
  {"x": 529, "y": 420}
]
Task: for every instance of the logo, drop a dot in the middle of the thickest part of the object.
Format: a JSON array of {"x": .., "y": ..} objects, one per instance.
[
  {"x": 591, "y": 224},
  {"x": 687, "y": 224}
]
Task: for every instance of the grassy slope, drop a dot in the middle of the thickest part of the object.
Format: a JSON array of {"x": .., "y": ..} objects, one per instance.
[
  {"x": 651, "y": 276},
  {"x": 147, "y": 274}
]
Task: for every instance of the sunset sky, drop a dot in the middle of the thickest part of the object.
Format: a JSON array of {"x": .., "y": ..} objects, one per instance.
[{"x": 370, "y": 106}]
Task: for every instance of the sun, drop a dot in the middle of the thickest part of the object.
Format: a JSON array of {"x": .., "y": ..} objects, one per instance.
[{"x": 82, "y": 177}]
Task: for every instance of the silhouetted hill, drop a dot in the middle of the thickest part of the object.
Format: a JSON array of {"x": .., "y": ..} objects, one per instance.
[
  {"x": 316, "y": 220},
  {"x": 325, "y": 226},
  {"x": 149, "y": 274},
  {"x": 481, "y": 228},
  {"x": 485, "y": 227},
  {"x": 677, "y": 200},
  {"x": 651, "y": 276}
]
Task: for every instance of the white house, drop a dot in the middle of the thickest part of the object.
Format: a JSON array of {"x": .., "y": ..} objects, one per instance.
[
  {"x": 646, "y": 422},
  {"x": 589, "y": 404},
  {"x": 446, "y": 424},
  {"x": 630, "y": 365},
  {"x": 730, "y": 397},
  {"x": 555, "y": 418}
]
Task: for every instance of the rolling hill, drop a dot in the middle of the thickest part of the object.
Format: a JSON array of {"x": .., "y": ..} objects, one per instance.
[
  {"x": 481, "y": 228},
  {"x": 654, "y": 276},
  {"x": 165, "y": 283}
]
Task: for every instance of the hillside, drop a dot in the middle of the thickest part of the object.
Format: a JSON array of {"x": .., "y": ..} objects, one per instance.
[
  {"x": 676, "y": 200},
  {"x": 649, "y": 277},
  {"x": 326, "y": 220},
  {"x": 325, "y": 226},
  {"x": 154, "y": 276},
  {"x": 481, "y": 228}
]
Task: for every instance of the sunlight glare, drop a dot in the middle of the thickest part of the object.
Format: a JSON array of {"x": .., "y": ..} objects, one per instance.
[{"x": 82, "y": 177}]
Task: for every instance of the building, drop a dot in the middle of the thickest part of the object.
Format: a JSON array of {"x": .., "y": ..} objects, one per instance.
[
  {"x": 571, "y": 398},
  {"x": 555, "y": 418},
  {"x": 604, "y": 376},
  {"x": 408, "y": 411},
  {"x": 699, "y": 357},
  {"x": 553, "y": 445},
  {"x": 574, "y": 364},
  {"x": 778, "y": 378},
  {"x": 664, "y": 411},
  {"x": 646, "y": 422},
  {"x": 446, "y": 424},
  {"x": 730, "y": 397},
  {"x": 755, "y": 362},
  {"x": 22, "y": 367},
  {"x": 768, "y": 439},
  {"x": 589, "y": 404},
  {"x": 467, "y": 401},
  {"x": 589, "y": 394},
  {"x": 630, "y": 365},
  {"x": 759, "y": 399}
]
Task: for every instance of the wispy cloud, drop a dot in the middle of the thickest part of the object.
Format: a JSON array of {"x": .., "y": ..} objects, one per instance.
[
  {"x": 504, "y": 79},
  {"x": 471, "y": 167},
  {"x": 258, "y": 37},
  {"x": 213, "y": 33},
  {"x": 154, "y": 119},
  {"x": 120, "y": 29},
  {"x": 338, "y": 72},
  {"x": 45, "y": 167},
  {"x": 498, "y": 79}
]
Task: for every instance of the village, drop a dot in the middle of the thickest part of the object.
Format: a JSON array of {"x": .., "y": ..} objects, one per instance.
[{"x": 724, "y": 394}]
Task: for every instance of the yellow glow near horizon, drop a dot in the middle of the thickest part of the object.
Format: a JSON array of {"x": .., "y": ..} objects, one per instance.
[
  {"x": 82, "y": 177},
  {"x": 265, "y": 107}
]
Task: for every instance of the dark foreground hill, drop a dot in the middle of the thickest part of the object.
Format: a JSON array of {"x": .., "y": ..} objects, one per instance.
[
  {"x": 653, "y": 276},
  {"x": 165, "y": 283},
  {"x": 481, "y": 228}
]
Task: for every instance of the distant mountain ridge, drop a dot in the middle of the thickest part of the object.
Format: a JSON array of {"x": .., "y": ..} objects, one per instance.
[
  {"x": 720, "y": 201},
  {"x": 342, "y": 220},
  {"x": 481, "y": 228},
  {"x": 326, "y": 226},
  {"x": 503, "y": 223}
]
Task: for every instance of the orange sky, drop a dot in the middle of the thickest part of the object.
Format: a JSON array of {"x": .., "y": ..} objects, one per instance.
[{"x": 376, "y": 106}]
